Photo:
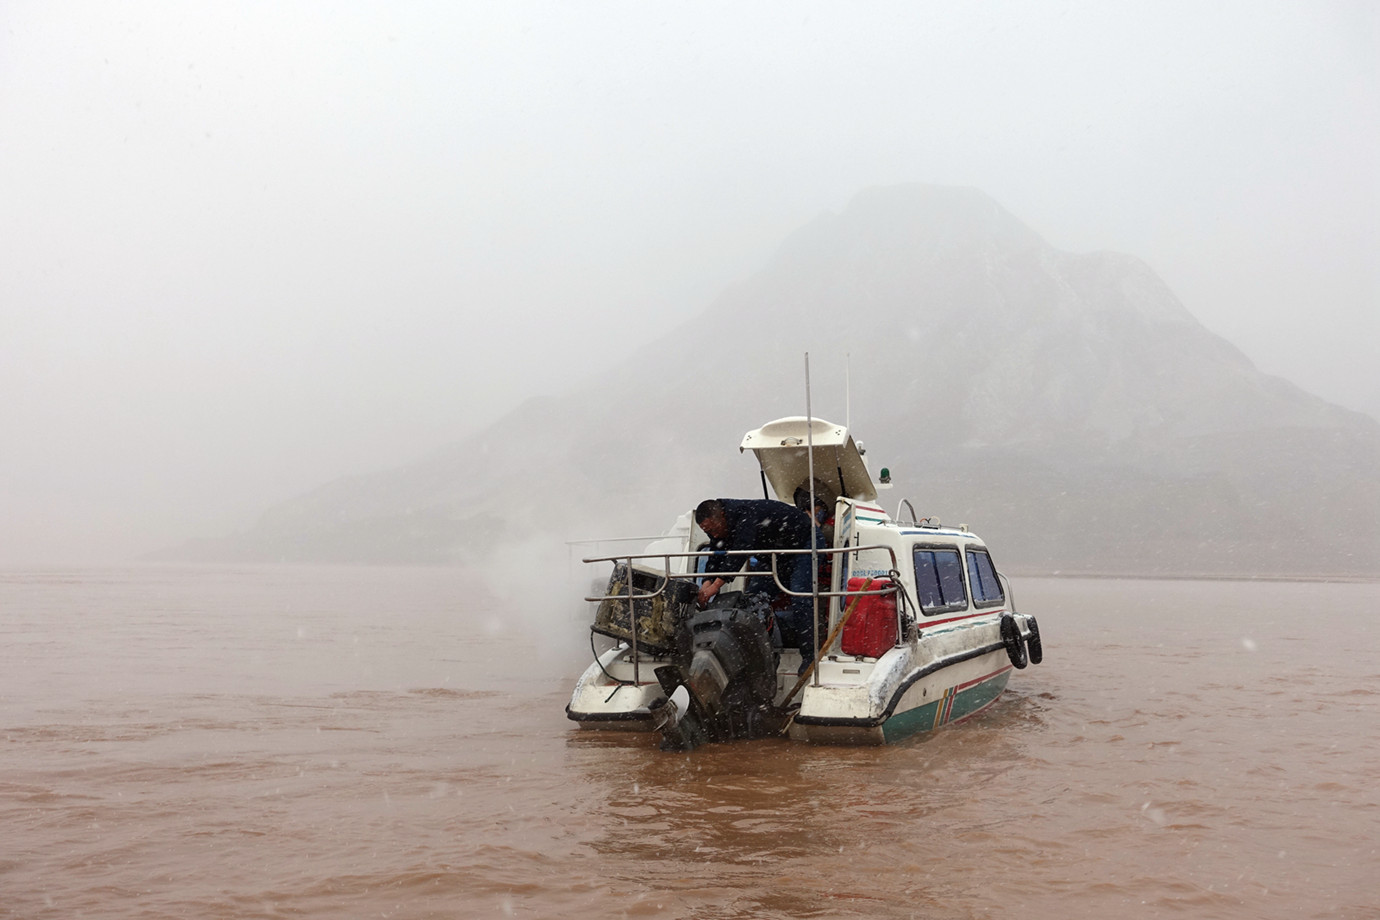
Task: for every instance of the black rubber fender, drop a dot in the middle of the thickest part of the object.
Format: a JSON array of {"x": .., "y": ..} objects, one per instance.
[
  {"x": 1011, "y": 638},
  {"x": 1033, "y": 648}
]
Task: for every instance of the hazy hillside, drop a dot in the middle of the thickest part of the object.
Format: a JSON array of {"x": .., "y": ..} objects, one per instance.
[{"x": 1065, "y": 406}]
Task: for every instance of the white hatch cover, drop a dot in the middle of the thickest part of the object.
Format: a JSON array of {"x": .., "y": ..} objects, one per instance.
[{"x": 781, "y": 449}]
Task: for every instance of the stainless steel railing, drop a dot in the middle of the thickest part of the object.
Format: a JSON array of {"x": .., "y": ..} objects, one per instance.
[{"x": 666, "y": 576}]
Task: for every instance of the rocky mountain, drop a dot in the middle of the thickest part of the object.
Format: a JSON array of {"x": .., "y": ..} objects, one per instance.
[{"x": 1066, "y": 406}]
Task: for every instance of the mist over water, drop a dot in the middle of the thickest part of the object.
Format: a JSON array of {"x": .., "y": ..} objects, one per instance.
[
  {"x": 254, "y": 249},
  {"x": 336, "y": 742}
]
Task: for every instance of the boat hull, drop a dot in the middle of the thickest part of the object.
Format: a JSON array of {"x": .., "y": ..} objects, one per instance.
[
  {"x": 958, "y": 703},
  {"x": 633, "y": 720},
  {"x": 920, "y": 699},
  {"x": 613, "y": 696}
]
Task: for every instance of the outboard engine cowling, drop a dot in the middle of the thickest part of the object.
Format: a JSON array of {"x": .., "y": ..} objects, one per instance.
[{"x": 724, "y": 658}]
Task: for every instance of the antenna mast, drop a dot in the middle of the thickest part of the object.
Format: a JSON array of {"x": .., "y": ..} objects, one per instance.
[{"x": 848, "y": 391}]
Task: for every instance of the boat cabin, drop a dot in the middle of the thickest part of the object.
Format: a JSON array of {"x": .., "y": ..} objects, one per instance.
[{"x": 939, "y": 574}]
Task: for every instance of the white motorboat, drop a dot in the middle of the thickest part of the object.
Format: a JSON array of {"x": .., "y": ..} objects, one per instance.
[{"x": 916, "y": 627}]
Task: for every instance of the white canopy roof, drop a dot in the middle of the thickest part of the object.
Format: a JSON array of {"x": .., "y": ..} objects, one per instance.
[{"x": 781, "y": 449}]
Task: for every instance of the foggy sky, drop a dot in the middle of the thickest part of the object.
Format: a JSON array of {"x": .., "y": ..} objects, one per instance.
[{"x": 249, "y": 248}]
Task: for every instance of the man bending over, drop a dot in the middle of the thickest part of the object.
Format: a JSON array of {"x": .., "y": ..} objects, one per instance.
[{"x": 758, "y": 524}]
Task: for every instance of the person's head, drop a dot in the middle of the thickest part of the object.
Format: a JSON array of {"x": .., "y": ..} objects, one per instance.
[
  {"x": 802, "y": 501},
  {"x": 709, "y": 514}
]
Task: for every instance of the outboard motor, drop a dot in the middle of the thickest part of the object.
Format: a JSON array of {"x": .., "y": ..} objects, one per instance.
[{"x": 725, "y": 662}]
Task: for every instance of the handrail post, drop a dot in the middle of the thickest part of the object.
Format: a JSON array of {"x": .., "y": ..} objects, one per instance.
[{"x": 814, "y": 541}]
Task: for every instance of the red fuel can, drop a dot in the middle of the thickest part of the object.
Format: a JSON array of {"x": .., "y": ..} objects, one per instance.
[{"x": 871, "y": 630}]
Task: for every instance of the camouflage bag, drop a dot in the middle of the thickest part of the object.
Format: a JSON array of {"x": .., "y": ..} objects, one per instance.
[{"x": 657, "y": 617}]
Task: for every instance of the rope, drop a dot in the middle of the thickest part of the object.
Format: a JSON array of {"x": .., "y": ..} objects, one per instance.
[{"x": 828, "y": 643}]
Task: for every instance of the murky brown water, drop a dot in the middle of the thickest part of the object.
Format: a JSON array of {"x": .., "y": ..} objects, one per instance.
[{"x": 313, "y": 742}]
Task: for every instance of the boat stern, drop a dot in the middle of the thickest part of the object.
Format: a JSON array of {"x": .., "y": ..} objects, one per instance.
[{"x": 606, "y": 696}]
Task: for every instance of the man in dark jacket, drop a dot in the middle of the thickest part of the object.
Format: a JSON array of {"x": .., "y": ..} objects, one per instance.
[{"x": 758, "y": 524}]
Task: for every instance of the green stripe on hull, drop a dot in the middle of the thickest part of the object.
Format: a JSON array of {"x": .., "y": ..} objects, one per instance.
[{"x": 948, "y": 708}]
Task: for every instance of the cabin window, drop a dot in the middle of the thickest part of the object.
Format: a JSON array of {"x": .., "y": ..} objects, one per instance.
[
  {"x": 939, "y": 580},
  {"x": 982, "y": 579}
]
